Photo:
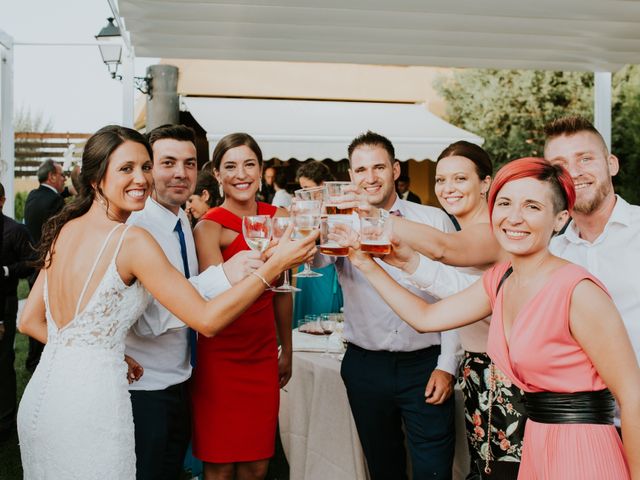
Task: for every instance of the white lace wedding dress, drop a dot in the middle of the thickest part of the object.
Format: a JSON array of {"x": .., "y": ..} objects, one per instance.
[{"x": 74, "y": 420}]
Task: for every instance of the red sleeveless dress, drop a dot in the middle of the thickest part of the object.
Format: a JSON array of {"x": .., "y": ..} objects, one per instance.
[{"x": 234, "y": 387}]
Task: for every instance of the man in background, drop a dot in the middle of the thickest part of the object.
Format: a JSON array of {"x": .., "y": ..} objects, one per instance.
[
  {"x": 402, "y": 187},
  {"x": 16, "y": 249},
  {"x": 42, "y": 203}
]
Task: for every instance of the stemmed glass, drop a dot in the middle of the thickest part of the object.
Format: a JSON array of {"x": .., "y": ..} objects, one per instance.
[
  {"x": 306, "y": 219},
  {"x": 328, "y": 325},
  {"x": 280, "y": 224},
  {"x": 256, "y": 230}
]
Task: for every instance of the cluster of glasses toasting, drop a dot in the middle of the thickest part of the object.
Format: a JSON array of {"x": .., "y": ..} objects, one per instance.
[{"x": 318, "y": 208}]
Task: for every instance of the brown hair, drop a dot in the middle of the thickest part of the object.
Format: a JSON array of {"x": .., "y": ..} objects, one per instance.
[
  {"x": 472, "y": 152},
  {"x": 314, "y": 170},
  {"x": 570, "y": 125},
  {"x": 234, "y": 140},
  {"x": 95, "y": 160},
  {"x": 374, "y": 140}
]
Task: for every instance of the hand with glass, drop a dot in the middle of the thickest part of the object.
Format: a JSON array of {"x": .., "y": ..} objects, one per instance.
[
  {"x": 306, "y": 220},
  {"x": 280, "y": 224}
]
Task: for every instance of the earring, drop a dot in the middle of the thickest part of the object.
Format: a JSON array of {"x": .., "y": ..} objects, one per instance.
[
  {"x": 220, "y": 191},
  {"x": 260, "y": 187}
]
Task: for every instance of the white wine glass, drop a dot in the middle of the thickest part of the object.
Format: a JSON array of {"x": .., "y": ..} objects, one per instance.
[
  {"x": 306, "y": 219},
  {"x": 256, "y": 230},
  {"x": 280, "y": 224}
]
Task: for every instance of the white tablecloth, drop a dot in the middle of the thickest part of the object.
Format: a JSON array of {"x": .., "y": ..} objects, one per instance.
[{"x": 318, "y": 433}]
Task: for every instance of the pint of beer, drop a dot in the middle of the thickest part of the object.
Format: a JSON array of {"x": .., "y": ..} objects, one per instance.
[
  {"x": 375, "y": 234},
  {"x": 333, "y": 228},
  {"x": 335, "y": 191}
]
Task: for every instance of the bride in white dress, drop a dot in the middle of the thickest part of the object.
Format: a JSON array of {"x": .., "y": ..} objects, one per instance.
[{"x": 74, "y": 420}]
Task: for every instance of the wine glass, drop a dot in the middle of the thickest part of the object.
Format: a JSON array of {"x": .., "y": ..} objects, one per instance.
[
  {"x": 306, "y": 219},
  {"x": 280, "y": 224},
  {"x": 328, "y": 325},
  {"x": 256, "y": 230}
]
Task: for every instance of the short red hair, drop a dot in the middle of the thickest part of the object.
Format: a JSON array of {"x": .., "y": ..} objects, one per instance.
[{"x": 564, "y": 193}]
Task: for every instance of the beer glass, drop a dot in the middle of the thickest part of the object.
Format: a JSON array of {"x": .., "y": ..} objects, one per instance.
[
  {"x": 375, "y": 234},
  {"x": 335, "y": 192},
  {"x": 315, "y": 193},
  {"x": 332, "y": 228}
]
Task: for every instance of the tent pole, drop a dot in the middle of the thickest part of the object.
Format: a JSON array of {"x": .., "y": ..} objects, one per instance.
[
  {"x": 7, "y": 140},
  {"x": 602, "y": 105}
]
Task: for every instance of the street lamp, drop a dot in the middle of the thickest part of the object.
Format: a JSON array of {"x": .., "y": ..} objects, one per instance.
[{"x": 110, "y": 47}]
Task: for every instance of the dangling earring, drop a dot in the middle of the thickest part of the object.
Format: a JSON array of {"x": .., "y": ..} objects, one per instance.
[
  {"x": 220, "y": 191},
  {"x": 260, "y": 187}
]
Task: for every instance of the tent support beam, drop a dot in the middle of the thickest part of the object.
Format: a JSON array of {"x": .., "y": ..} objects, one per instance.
[
  {"x": 602, "y": 105},
  {"x": 7, "y": 145}
]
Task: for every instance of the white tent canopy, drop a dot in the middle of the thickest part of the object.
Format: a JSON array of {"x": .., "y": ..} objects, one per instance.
[
  {"x": 589, "y": 35},
  {"x": 314, "y": 129}
]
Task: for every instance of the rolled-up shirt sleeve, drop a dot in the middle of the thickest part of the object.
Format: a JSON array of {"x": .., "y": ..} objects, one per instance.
[
  {"x": 450, "y": 353},
  {"x": 212, "y": 282},
  {"x": 438, "y": 279}
]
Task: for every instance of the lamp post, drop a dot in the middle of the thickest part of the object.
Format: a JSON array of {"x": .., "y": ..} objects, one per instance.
[{"x": 110, "y": 47}]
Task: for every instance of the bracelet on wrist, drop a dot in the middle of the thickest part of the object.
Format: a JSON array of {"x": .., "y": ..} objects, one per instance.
[{"x": 256, "y": 274}]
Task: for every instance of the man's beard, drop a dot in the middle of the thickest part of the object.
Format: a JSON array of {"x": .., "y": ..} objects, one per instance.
[{"x": 587, "y": 207}]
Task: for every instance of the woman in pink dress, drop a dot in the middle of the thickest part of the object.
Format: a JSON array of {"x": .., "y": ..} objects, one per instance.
[{"x": 554, "y": 331}]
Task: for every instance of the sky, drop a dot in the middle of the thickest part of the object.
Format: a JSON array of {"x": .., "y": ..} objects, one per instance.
[{"x": 67, "y": 85}]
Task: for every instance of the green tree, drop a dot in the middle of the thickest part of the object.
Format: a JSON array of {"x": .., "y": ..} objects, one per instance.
[
  {"x": 625, "y": 131},
  {"x": 510, "y": 107}
]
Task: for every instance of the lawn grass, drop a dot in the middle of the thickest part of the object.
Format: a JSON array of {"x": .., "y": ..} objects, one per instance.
[{"x": 10, "y": 466}]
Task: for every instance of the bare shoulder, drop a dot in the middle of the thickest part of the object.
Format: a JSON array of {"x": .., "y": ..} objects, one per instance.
[{"x": 207, "y": 228}]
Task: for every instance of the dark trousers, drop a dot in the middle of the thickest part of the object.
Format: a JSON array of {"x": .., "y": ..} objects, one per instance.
[
  {"x": 386, "y": 391},
  {"x": 162, "y": 420},
  {"x": 8, "y": 312}
]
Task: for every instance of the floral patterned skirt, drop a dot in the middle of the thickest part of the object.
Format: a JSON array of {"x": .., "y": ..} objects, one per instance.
[{"x": 507, "y": 416}]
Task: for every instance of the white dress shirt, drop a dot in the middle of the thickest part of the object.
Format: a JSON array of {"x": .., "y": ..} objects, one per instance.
[
  {"x": 370, "y": 323},
  {"x": 614, "y": 258},
  {"x": 158, "y": 340},
  {"x": 442, "y": 281}
]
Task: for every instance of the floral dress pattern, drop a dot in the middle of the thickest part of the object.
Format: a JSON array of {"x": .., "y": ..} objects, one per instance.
[{"x": 507, "y": 420}]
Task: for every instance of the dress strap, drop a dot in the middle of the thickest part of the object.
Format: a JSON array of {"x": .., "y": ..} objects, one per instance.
[
  {"x": 93, "y": 268},
  {"x": 115, "y": 252}
]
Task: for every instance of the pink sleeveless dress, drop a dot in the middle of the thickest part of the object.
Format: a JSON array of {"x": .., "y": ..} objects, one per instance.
[{"x": 542, "y": 356}]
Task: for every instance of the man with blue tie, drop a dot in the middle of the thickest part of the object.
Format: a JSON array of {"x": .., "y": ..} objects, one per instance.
[{"x": 159, "y": 341}]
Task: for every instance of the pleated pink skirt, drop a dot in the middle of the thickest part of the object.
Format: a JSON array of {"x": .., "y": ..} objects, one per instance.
[{"x": 572, "y": 452}]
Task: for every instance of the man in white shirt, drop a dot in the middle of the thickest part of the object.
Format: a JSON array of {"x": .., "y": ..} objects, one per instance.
[
  {"x": 158, "y": 340},
  {"x": 395, "y": 376},
  {"x": 604, "y": 234}
]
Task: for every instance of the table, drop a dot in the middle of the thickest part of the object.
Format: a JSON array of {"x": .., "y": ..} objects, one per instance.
[{"x": 318, "y": 433}]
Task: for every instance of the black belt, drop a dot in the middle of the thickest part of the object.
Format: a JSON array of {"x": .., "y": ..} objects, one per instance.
[
  {"x": 580, "y": 407},
  {"x": 433, "y": 349}
]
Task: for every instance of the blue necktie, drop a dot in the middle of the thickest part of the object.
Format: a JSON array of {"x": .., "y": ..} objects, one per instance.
[
  {"x": 193, "y": 338},
  {"x": 183, "y": 248}
]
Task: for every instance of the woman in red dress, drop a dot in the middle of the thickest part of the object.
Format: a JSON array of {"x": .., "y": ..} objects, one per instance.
[{"x": 238, "y": 373}]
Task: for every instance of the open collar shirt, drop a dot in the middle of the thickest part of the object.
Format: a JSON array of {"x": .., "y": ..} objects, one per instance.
[
  {"x": 159, "y": 341},
  {"x": 614, "y": 258},
  {"x": 370, "y": 323}
]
